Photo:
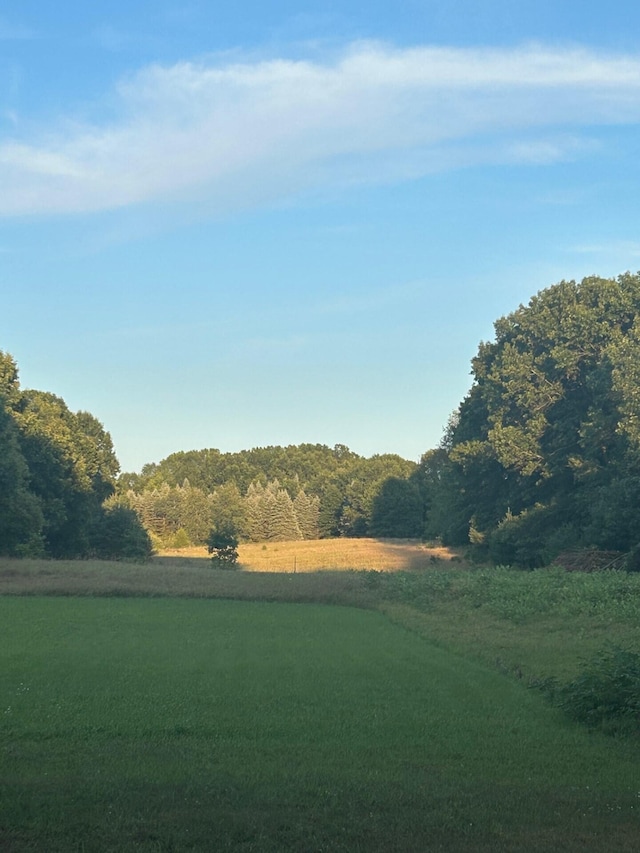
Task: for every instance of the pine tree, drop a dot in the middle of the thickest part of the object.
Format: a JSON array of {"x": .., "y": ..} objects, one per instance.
[
  {"x": 307, "y": 510},
  {"x": 285, "y": 523}
]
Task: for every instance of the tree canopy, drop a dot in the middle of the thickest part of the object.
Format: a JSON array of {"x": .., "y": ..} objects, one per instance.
[
  {"x": 57, "y": 468},
  {"x": 294, "y": 492},
  {"x": 544, "y": 452}
]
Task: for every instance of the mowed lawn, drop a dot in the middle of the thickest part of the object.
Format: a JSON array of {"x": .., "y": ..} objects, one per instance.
[{"x": 170, "y": 724}]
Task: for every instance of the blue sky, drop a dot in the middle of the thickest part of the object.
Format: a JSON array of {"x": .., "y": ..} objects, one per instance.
[{"x": 235, "y": 225}]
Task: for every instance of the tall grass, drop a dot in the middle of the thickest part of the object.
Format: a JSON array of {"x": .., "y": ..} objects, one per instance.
[{"x": 518, "y": 596}]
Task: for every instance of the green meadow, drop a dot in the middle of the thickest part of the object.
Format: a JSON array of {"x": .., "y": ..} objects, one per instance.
[{"x": 206, "y": 724}]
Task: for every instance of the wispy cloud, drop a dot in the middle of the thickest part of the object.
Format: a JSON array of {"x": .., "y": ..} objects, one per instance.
[
  {"x": 618, "y": 248},
  {"x": 232, "y": 133}
]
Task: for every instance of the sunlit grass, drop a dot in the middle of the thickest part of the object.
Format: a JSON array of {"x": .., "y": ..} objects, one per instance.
[{"x": 390, "y": 555}]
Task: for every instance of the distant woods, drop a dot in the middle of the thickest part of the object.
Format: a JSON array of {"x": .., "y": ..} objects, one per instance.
[
  {"x": 306, "y": 491},
  {"x": 542, "y": 456},
  {"x": 60, "y": 494}
]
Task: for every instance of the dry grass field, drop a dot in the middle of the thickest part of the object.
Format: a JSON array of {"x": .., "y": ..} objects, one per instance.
[
  {"x": 388, "y": 555},
  {"x": 323, "y": 571}
]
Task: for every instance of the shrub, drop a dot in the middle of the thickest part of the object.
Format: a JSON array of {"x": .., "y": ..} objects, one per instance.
[
  {"x": 606, "y": 694},
  {"x": 518, "y": 540},
  {"x": 223, "y": 547}
]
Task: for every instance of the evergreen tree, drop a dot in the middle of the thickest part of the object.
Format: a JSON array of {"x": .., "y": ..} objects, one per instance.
[
  {"x": 285, "y": 524},
  {"x": 257, "y": 519},
  {"x": 196, "y": 516},
  {"x": 332, "y": 503},
  {"x": 307, "y": 512}
]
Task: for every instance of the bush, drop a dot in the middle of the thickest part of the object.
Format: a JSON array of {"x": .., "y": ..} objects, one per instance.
[
  {"x": 519, "y": 540},
  {"x": 223, "y": 547},
  {"x": 119, "y": 535},
  {"x": 606, "y": 695}
]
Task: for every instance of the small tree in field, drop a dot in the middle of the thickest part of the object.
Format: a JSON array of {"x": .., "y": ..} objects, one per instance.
[{"x": 223, "y": 547}]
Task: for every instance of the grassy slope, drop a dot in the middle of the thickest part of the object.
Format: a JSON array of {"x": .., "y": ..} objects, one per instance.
[
  {"x": 165, "y": 724},
  {"x": 535, "y": 624}
]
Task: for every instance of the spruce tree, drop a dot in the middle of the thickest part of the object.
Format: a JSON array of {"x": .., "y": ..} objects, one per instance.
[{"x": 307, "y": 510}]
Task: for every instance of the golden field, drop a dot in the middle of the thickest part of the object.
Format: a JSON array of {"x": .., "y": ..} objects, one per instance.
[
  {"x": 388, "y": 555},
  {"x": 324, "y": 570}
]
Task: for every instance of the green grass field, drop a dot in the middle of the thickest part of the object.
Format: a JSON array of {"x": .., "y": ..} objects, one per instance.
[{"x": 171, "y": 724}]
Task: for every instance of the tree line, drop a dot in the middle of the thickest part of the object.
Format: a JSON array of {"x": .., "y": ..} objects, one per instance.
[
  {"x": 275, "y": 493},
  {"x": 57, "y": 471},
  {"x": 541, "y": 456},
  {"x": 177, "y": 516}
]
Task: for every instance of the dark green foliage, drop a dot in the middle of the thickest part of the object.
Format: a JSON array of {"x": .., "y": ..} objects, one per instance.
[
  {"x": 309, "y": 466},
  {"x": 271, "y": 514},
  {"x": 229, "y": 510},
  {"x": 544, "y": 453},
  {"x": 331, "y": 506},
  {"x": 21, "y": 519},
  {"x": 398, "y": 510},
  {"x": 367, "y": 477},
  {"x": 223, "y": 547},
  {"x": 445, "y": 501},
  {"x": 613, "y": 506},
  {"x": 119, "y": 535},
  {"x": 340, "y": 486},
  {"x": 520, "y": 539},
  {"x": 9, "y": 384},
  {"x": 606, "y": 694},
  {"x": 71, "y": 469},
  {"x": 57, "y": 468},
  {"x": 166, "y": 510}
]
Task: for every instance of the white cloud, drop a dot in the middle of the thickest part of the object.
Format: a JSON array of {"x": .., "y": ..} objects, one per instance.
[{"x": 239, "y": 133}]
